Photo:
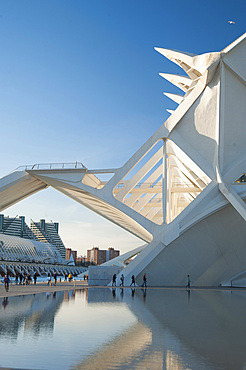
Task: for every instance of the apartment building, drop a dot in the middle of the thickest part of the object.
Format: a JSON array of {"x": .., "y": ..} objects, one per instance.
[{"x": 98, "y": 256}]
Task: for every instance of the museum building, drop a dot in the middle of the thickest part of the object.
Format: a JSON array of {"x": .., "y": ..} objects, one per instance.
[{"x": 38, "y": 248}]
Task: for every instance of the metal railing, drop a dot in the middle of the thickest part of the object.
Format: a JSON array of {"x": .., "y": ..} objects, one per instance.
[
  {"x": 50, "y": 166},
  {"x": 121, "y": 185}
]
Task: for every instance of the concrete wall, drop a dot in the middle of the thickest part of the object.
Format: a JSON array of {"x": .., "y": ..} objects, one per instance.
[
  {"x": 102, "y": 275},
  {"x": 211, "y": 252}
]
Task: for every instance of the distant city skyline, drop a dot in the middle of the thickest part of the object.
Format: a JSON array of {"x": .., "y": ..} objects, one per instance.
[{"x": 80, "y": 82}]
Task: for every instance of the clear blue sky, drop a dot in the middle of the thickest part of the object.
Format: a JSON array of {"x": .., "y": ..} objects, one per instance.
[{"x": 79, "y": 82}]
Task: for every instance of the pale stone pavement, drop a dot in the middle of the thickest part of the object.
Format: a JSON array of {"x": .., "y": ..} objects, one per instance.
[{"x": 15, "y": 290}]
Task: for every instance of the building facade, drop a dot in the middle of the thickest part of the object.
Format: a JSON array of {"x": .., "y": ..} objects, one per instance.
[
  {"x": 25, "y": 256},
  {"x": 70, "y": 252},
  {"x": 47, "y": 232},
  {"x": 41, "y": 231},
  {"x": 24, "y": 251},
  {"x": 16, "y": 226},
  {"x": 97, "y": 256},
  {"x": 81, "y": 261}
]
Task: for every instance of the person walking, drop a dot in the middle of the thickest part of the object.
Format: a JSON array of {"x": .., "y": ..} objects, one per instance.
[
  {"x": 188, "y": 282},
  {"x": 49, "y": 279},
  {"x": 114, "y": 280},
  {"x": 6, "y": 283},
  {"x": 133, "y": 280},
  {"x": 55, "y": 278},
  {"x": 122, "y": 280},
  {"x": 16, "y": 279},
  {"x": 144, "y": 281},
  {"x": 28, "y": 279},
  {"x": 35, "y": 278}
]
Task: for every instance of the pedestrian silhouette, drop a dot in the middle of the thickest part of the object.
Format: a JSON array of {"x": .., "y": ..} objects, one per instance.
[
  {"x": 133, "y": 280},
  {"x": 122, "y": 280},
  {"x": 114, "y": 280},
  {"x": 188, "y": 282},
  {"x": 144, "y": 281}
]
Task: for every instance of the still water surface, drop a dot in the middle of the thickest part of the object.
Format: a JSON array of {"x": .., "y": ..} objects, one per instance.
[{"x": 124, "y": 329}]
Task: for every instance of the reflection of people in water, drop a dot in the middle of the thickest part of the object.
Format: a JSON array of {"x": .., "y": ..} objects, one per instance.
[
  {"x": 113, "y": 293},
  {"x": 188, "y": 291},
  {"x": 121, "y": 292},
  {"x": 133, "y": 292},
  {"x": 144, "y": 294},
  {"x": 5, "y": 302}
]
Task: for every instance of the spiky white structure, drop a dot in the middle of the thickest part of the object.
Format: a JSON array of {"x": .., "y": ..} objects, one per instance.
[{"x": 178, "y": 192}]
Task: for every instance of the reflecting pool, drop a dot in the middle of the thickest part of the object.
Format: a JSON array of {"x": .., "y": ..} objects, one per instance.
[{"x": 105, "y": 328}]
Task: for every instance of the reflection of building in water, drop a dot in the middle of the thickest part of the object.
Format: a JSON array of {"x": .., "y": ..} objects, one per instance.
[
  {"x": 35, "y": 312},
  {"x": 66, "y": 296},
  {"x": 95, "y": 295},
  {"x": 70, "y": 294},
  {"x": 121, "y": 351},
  {"x": 175, "y": 331}
]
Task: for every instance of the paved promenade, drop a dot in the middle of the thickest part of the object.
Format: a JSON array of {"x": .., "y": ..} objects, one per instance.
[{"x": 15, "y": 290}]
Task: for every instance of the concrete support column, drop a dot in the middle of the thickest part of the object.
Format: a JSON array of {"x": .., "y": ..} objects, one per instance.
[{"x": 164, "y": 183}]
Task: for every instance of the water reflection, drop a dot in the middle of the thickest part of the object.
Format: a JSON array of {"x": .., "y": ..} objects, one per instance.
[
  {"x": 34, "y": 313},
  {"x": 177, "y": 329},
  {"x": 5, "y": 302},
  {"x": 126, "y": 328}
]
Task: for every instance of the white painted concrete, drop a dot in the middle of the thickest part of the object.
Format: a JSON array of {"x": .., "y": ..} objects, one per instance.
[{"x": 177, "y": 191}]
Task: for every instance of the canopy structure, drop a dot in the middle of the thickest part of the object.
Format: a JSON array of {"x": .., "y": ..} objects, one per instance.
[{"x": 179, "y": 192}]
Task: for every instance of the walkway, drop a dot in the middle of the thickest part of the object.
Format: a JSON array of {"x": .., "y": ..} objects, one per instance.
[{"x": 16, "y": 290}]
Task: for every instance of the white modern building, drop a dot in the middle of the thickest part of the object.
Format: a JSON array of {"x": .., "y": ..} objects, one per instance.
[
  {"x": 26, "y": 256},
  {"x": 180, "y": 192},
  {"x": 29, "y": 250}
]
